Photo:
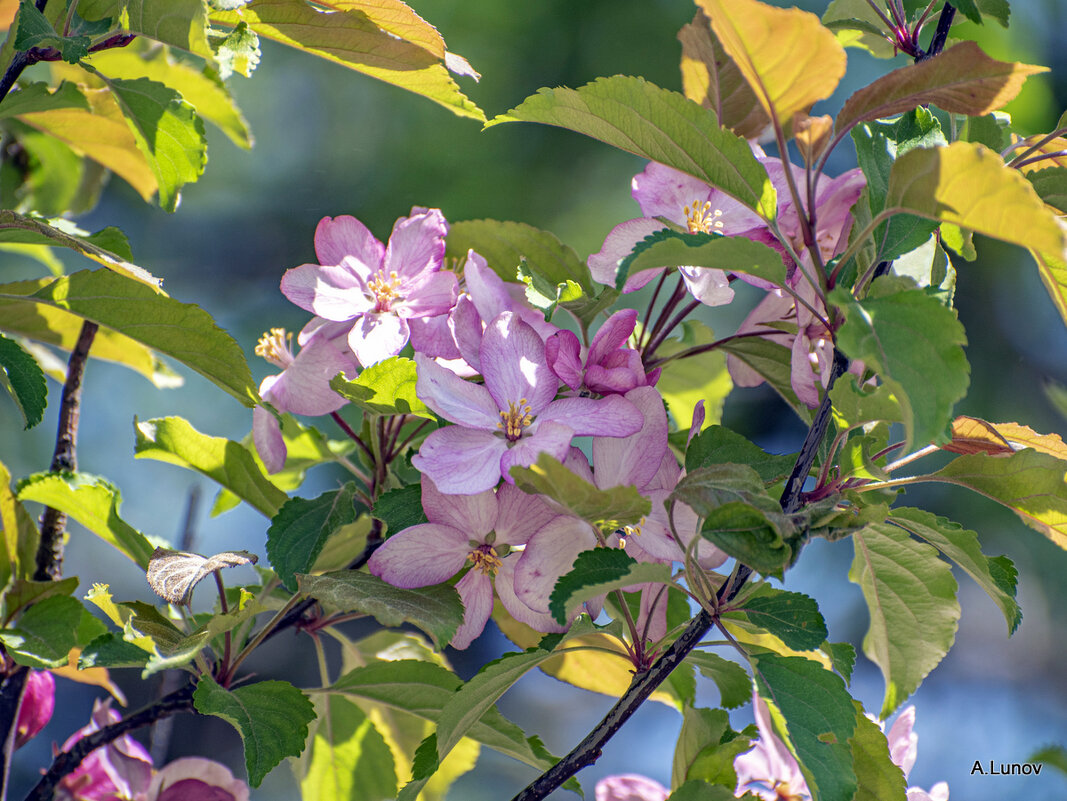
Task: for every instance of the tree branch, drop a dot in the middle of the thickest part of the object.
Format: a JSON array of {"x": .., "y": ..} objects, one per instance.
[
  {"x": 944, "y": 23},
  {"x": 644, "y": 684},
  {"x": 67, "y": 761}
]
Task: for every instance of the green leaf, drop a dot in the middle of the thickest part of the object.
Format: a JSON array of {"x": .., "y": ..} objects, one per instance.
[
  {"x": 749, "y": 535},
  {"x": 175, "y": 441},
  {"x": 992, "y": 130},
  {"x": 816, "y": 711},
  {"x": 352, "y": 37},
  {"x": 640, "y": 118},
  {"x": 911, "y": 598},
  {"x": 387, "y": 387},
  {"x": 34, "y": 30},
  {"x": 599, "y": 571},
  {"x": 843, "y": 657},
  {"x": 422, "y": 689},
  {"x": 686, "y": 382},
  {"x": 854, "y": 407},
  {"x": 915, "y": 345},
  {"x": 348, "y": 759},
  {"x": 772, "y": 361},
  {"x": 301, "y": 527},
  {"x": 697, "y": 790},
  {"x": 200, "y": 87},
  {"x": 669, "y": 248},
  {"x": 436, "y": 610},
  {"x": 39, "y": 96},
  {"x": 878, "y": 778},
  {"x": 505, "y": 245},
  {"x": 549, "y": 477},
  {"x": 541, "y": 294},
  {"x": 92, "y": 501},
  {"x": 961, "y": 80},
  {"x": 855, "y": 24},
  {"x": 721, "y": 445},
  {"x": 1054, "y": 755},
  {"x": 182, "y": 23},
  {"x": 271, "y": 716},
  {"x": 44, "y": 633},
  {"x": 180, "y": 330},
  {"x": 400, "y": 508},
  {"x": 1051, "y": 186},
  {"x": 111, "y": 651},
  {"x": 168, "y": 132},
  {"x": 703, "y": 730},
  {"x": 735, "y": 686},
  {"x": 997, "y": 9},
  {"x": 24, "y": 379},
  {"x": 791, "y": 616},
  {"x": 997, "y": 576},
  {"x": 238, "y": 52},
  {"x": 1028, "y": 482}
]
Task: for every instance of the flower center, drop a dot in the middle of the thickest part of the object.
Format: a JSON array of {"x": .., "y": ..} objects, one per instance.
[
  {"x": 629, "y": 531},
  {"x": 274, "y": 347},
  {"x": 783, "y": 793},
  {"x": 702, "y": 220},
  {"x": 485, "y": 558},
  {"x": 515, "y": 419},
  {"x": 384, "y": 290}
]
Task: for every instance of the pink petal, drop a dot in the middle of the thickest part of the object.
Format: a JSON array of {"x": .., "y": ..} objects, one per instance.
[
  {"x": 505, "y": 589},
  {"x": 421, "y": 555},
  {"x": 460, "y": 460},
  {"x": 549, "y": 554},
  {"x": 304, "y": 386},
  {"x": 435, "y": 294},
  {"x": 475, "y": 515},
  {"x": 612, "y": 334},
  {"x": 466, "y": 327},
  {"x": 267, "y": 436},
  {"x": 514, "y": 366},
  {"x": 476, "y": 591},
  {"x": 417, "y": 244},
  {"x": 487, "y": 290},
  {"x": 665, "y": 192},
  {"x": 563, "y": 352},
  {"x": 551, "y": 438},
  {"x": 335, "y": 293},
  {"x": 196, "y": 779},
  {"x": 903, "y": 741},
  {"x": 345, "y": 237},
  {"x": 38, "y": 704},
  {"x": 613, "y": 416},
  {"x": 621, "y": 461},
  {"x": 431, "y": 335},
  {"x": 520, "y": 515},
  {"x": 376, "y": 337},
  {"x": 710, "y": 287},
  {"x": 604, "y": 265},
  {"x": 453, "y": 398},
  {"x": 630, "y": 787}
]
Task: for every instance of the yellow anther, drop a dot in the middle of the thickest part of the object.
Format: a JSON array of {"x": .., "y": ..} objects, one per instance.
[
  {"x": 485, "y": 559},
  {"x": 701, "y": 219},
  {"x": 274, "y": 346},
  {"x": 515, "y": 420},
  {"x": 385, "y": 290}
]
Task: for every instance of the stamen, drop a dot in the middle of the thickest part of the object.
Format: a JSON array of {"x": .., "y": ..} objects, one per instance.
[
  {"x": 384, "y": 291},
  {"x": 515, "y": 419},
  {"x": 274, "y": 346},
  {"x": 485, "y": 558},
  {"x": 702, "y": 220}
]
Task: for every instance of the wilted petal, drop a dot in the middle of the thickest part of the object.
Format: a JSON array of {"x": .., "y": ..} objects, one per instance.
[
  {"x": 453, "y": 398},
  {"x": 476, "y": 591},
  {"x": 376, "y": 337},
  {"x": 333, "y": 292},
  {"x": 196, "y": 779},
  {"x": 344, "y": 238},
  {"x": 475, "y": 515},
  {"x": 630, "y": 787},
  {"x": 421, "y": 555},
  {"x": 514, "y": 365},
  {"x": 461, "y": 460},
  {"x": 613, "y": 416},
  {"x": 416, "y": 244}
]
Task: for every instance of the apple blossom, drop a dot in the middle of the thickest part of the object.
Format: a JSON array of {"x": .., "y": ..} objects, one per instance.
[
  {"x": 196, "y": 779},
  {"x": 630, "y": 787},
  {"x": 903, "y": 749},
  {"x": 512, "y": 418},
  {"x": 607, "y": 368},
  {"x": 119, "y": 770},
  {"x": 38, "y": 704},
  {"x": 376, "y": 288},
  {"x": 480, "y": 530}
]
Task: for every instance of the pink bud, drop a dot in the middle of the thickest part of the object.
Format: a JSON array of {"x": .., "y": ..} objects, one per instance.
[{"x": 38, "y": 703}]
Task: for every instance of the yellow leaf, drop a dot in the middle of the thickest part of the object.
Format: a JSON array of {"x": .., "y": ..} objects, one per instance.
[
  {"x": 95, "y": 676},
  {"x": 103, "y": 135},
  {"x": 712, "y": 79},
  {"x": 788, "y": 58},
  {"x": 1051, "y": 444},
  {"x": 971, "y": 435},
  {"x": 8, "y": 10},
  {"x": 1049, "y": 149},
  {"x": 398, "y": 19},
  {"x": 961, "y": 80}
]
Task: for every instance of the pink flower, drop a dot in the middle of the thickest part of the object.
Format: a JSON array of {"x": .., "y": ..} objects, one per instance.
[
  {"x": 376, "y": 289},
  {"x": 903, "y": 749},
  {"x": 477, "y": 530},
  {"x": 630, "y": 787},
  {"x": 607, "y": 368},
  {"x": 769, "y": 770},
  {"x": 303, "y": 387},
  {"x": 120, "y": 770},
  {"x": 38, "y": 703},
  {"x": 512, "y": 418},
  {"x": 196, "y": 779}
]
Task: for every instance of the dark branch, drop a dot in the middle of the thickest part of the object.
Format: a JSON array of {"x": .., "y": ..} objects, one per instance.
[
  {"x": 67, "y": 761},
  {"x": 944, "y": 23}
]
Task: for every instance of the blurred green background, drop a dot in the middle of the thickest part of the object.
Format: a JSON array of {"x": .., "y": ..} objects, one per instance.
[{"x": 331, "y": 141}]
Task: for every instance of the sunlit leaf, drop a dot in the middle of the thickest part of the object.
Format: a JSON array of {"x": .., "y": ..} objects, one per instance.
[
  {"x": 971, "y": 435},
  {"x": 756, "y": 36},
  {"x": 34, "y": 30},
  {"x": 387, "y": 387},
  {"x": 878, "y": 778},
  {"x": 39, "y": 96},
  {"x": 238, "y": 51},
  {"x": 21, "y": 374},
  {"x": 350, "y": 36},
  {"x": 853, "y": 407},
  {"x": 93, "y": 502},
  {"x": 791, "y": 616},
  {"x": 44, "y": 634},
  {"x": 911, "y": 598},
  {"x": 961, "y": 80},
  {"x": 855, "y": 24},
  {"x": 346, "y": 759},
  {"x": 711, "y": 78},
  {"x": 173, "y": 575},
  {"x": 174, "y": 440},
  {"x": 640, "y": 118},
  {"x": 182, "y": 23},
  {"x": 1017, "y": 434},
  {"x": 272, "y": 718}
]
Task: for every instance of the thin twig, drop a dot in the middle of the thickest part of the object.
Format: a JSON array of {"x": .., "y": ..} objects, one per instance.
[{"x": 944, "y": 23}]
